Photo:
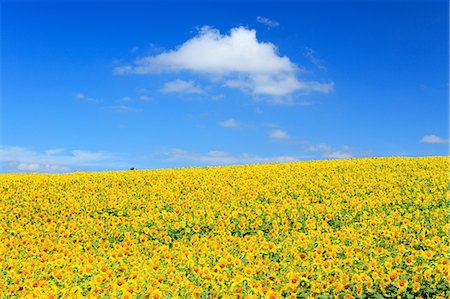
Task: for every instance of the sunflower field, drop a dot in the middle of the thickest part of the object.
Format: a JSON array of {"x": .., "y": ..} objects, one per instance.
[{"x": 358, "y": 228}]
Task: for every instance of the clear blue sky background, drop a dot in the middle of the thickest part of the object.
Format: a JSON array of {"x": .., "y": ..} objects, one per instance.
[{"x": 357, "y": 79}]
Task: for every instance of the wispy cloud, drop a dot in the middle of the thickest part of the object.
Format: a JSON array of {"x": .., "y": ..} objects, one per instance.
[
  {"x": 306, "y": 103},
  {"x": 145, "y": 98},
  {"x": 268, "y": 22},
  {"x": 329, "y": 152},
  {"x": 122, "y": 108},
  {"x": 279, "y": 135},
  {"x": 217, "y": 157},
  {"x": 320, "y": 87},
  {"x": 79, "y": 96},
  {"x": 237, "y": 60},
  {"x": 123, "y": 105},
  {"x": 311, "y": 55},
  {"x": 144, "y": 95},
  {"x": 321, "y": 149},
  {"x": 183, "y": 87},
  {"x": 433, "y": 139},
  {"x": 125, "y": 99},
  {"x": 338, "y": 154},
  {"x": 229, "y": 123},
  {"x": 217, "y": 97},
  {"x": 21, "y": 159}
]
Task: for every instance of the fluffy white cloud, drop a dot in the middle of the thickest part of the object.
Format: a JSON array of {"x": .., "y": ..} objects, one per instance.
[
  {"x": 268, "y": 22},
  {"x": 181, "y": 86},
  {"x": 229, "y": 123},
  {"x": 279, "y": 135},
  {"x": 221, "y": 157},
  {"x": 237, "y": 60},
  {"x": 433, "y": 139},
  {"x": 20, "y": 159}
]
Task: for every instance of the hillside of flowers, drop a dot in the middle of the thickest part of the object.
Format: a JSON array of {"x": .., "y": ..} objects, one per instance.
[{"x": 359, "y": 228}]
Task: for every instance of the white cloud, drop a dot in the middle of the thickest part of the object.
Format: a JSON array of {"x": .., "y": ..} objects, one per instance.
[
  {"x": 237, "y": 60},
  {"x": 82, "y": 97},
  {"x": 34, "y": 167},
  {"x": 279, "y": 135},
  {"x": 217, "y": 97},
  {"x": 329, "y": 152},
  {"x": 79, "y": 96},
  {"x": 20, "y": 159},
  {"x": 125, "y": 99},
  {"x": 339, "y": 154},
  {"x": 54, "y": 151},
  {"x": 319, "y": 147},
  {"x": 181, "y": 86},
  {"x": 221, "y": 157},
  {"x": 123, "y": 105},
  {"x": 126, "y": 69},
  {"x": 145, "y": 98},
  {"x": 229, "y": 123},
  {"x": 320, "y": 87},
  {"x": 122, "y": 108},
  {"x": 433, "y": 139},
  {"x": 306, "y": 103},
  {"x": 311, "y": 55},
  {"x": 268, "y": 22},
  {"x": 144, "y": 95},
  {"x": 324, "y": 150}
]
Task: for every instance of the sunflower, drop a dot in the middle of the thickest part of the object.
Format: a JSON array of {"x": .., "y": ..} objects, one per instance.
[
  {"x": 272, "y": 294},
  {"x": 416, "y": 287},
  {"x": 402, "y": 285}
]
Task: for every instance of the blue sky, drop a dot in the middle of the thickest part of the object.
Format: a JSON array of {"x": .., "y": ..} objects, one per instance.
[{"x": 107, "y": 86}]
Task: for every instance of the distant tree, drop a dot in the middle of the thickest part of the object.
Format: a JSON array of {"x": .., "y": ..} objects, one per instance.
[{"x": 132, "y": 168}]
